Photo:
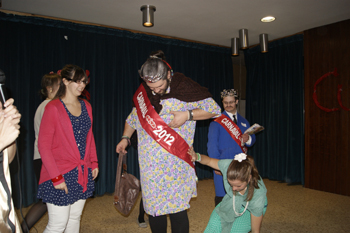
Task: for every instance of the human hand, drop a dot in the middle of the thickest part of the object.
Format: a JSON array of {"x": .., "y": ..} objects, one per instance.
[
  {"x": 193, "y": 154},
  {"x": 10, "y": 109},
  {"x": 95, "y": 173},
  {"x": 218, "y": 172},
  {"x": 62, "y": 186},
  {"x": 122, "y": 145},
  {"x": 180, "y": 118},
  {"x": 245, "y": 137},
  {"x": 9, "y": 124}
]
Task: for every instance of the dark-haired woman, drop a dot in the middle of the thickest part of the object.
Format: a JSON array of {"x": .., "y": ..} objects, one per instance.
[
  {"x": 67, "y": 148},
  {"x": 244, "y": 205},
  {"x": 49, "y": 87}
]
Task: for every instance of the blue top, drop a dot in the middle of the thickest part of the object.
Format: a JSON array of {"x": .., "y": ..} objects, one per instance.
[
  {"x": 47, "y": 192},
  {"x": 222, "y": 146}
]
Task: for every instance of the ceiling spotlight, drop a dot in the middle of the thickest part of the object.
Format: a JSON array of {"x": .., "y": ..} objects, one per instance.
[
  {"x": 235, "y": 46},
  {"x": 268, "y": 19},
  {"x": 243, "y": 38},
  {"x": 264, "y": 42},
  {"x": 148, "y": 15}
]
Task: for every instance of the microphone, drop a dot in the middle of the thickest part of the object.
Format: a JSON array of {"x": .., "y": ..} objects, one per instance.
[{"x": 3, "y": 93}]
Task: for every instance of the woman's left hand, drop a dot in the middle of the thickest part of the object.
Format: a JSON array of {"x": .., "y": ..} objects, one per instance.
[
  {"x": 94, "y": 173},
  {"x": 180, "y": 118},
  {"x": 62, "y": 186}
]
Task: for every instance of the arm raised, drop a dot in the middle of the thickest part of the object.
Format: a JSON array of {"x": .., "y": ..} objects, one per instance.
[{"x": 203, "y": 159}]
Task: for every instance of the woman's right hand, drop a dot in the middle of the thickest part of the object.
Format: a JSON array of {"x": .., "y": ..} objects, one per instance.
[
  {"x": 122, "y": 145},
  {"x": 62, "y": 186}
]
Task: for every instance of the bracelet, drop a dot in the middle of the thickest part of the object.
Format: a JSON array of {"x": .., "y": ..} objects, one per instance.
[
  {"x": 127, "y": 138},
  {"x": 57, "y": 178},
  {"x": 190, "y": 115},
  {"x": 198, "y": 157}
]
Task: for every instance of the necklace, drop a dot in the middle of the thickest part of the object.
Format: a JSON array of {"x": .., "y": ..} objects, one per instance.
[{"x": 238, "y": 214}]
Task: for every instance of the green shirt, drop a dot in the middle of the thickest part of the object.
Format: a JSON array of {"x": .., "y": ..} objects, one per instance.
[{"x": 225, "y": 210}]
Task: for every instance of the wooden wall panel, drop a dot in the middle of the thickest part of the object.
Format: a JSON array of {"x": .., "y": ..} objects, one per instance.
[{"x": 327, "y": 134}]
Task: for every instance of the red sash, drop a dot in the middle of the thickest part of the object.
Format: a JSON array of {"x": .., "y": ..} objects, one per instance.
[
  {"x": 234, "y": 131},
  {"x": 154, "y": 125}
]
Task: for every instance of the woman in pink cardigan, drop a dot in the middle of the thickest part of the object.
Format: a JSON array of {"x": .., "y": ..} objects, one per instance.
[{"x": 68, "y": 152}]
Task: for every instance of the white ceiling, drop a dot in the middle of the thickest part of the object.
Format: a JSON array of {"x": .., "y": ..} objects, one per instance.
[{"x": 208, "y": 21}]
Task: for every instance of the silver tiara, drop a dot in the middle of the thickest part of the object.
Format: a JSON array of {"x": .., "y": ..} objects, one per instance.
[
  {"x": 229, "y": 92},
  {"x": 152, "y": 56},
  {"x": 152, "y": 79}
]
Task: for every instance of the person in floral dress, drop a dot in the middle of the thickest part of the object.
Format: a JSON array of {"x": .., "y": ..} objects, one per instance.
[{"x": 168, "y": 182}]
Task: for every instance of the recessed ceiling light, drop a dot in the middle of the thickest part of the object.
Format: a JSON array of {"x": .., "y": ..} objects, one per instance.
[{"x": 268, "y": 19}]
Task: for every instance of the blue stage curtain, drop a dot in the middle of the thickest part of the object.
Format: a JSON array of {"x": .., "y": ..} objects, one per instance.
[
  {"x": 275, "y": 100},
  {"x": 31, "y": 47}
]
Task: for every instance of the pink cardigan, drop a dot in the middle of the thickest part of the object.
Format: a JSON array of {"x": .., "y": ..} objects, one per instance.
[{"x": 57, "y": 146}]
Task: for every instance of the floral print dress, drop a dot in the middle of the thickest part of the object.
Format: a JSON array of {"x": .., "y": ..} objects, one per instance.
[{"x": 168, "y": 183}]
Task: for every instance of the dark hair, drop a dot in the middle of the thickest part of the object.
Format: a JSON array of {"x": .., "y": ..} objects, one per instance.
[
  {"x": 242, "y": 171},
  {"x": 48, "y": 80},
  {"x": 155, "y": 65},
  {"x": 71, "y": 73}
]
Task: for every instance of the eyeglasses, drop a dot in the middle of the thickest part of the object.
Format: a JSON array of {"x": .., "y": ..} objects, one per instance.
[
  {"x": 228, "y": 103},
  {"x": 85, "y": 81}
]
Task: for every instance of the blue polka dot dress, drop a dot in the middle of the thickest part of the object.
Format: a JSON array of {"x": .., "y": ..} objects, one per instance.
[{"x": 47, "y": 192}]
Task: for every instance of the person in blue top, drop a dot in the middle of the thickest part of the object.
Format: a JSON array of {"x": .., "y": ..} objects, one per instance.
[
  {"x": 244, "y": 205},
  {"x": 220, "y": 144},
  {"x": 67, "y": 148}
]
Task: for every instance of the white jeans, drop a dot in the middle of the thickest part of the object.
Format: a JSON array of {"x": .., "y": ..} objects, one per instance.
[{"x": 64, "y": 218}]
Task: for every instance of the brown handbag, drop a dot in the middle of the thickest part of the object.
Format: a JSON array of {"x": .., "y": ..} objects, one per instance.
[{"x": 127, "y": 188}]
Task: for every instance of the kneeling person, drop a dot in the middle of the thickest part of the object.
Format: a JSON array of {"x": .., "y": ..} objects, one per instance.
[{"x": 245, "y": 202}]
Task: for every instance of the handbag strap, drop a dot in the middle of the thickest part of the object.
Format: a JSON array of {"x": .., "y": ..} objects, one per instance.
[{"x": 121, "y": 165}]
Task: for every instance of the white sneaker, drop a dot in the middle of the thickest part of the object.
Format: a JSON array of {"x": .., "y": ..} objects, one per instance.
[{"x": 141, "y": 224}]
